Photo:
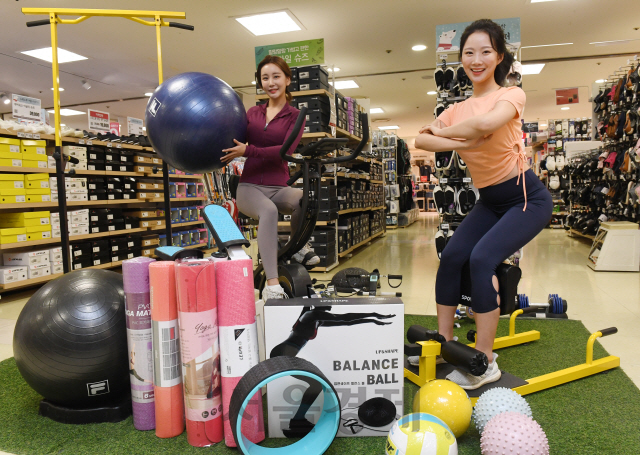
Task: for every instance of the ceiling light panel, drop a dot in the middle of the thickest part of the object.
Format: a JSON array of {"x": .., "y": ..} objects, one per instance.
[
  {"x": 532, "y": 69},
  {"x": 342, "y": 85},
  {"x": 546, "y": 45},
  {"x": 64, "y": 56},
  {"x": 270, "y": 23},
  {"x": 419, "y": 47},
  {"x": 68, "y": 112},
  {"x": 392, "y": 127},
  {"x": 376, "y": 110}
]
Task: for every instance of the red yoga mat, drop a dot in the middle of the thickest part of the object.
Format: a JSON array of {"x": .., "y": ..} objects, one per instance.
[
  {"x": 167, "y": 377},
  {"x": 200, "y": 352},
  {"x": 238, "y": 342}
]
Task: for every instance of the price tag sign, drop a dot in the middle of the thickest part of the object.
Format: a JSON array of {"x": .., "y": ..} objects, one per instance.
[
  {"x": 27, "y": 108},
  {"x": 466, "y": 180},
  {"x": 468, "y": 93},
  {"x": 444, "y": 227},
  {"x": 134, "y": 126},
  {"x": 99, "y": 121},
  {"x": 444, "y": 95},
  {"x": 444, "y": 180}
]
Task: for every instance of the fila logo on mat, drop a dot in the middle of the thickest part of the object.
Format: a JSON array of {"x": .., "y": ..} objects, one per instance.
[{"x": 98, "y": 388}]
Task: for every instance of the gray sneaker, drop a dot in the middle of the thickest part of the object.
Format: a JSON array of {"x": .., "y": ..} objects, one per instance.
[
  {"x": 306, "y": 256},
  {"x": 470, "y": 382}
]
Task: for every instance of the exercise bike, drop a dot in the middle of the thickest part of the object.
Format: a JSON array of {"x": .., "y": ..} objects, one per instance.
[{"x": 293, "y": 277}]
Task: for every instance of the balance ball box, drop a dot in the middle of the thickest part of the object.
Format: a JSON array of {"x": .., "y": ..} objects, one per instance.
[{"x": 362, "y": 359}]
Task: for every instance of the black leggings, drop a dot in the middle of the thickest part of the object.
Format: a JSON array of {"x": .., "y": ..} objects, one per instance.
[{"x": 494, "y": 230}]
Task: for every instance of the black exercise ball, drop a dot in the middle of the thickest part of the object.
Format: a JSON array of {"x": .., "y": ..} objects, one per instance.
[
  {"x": 191, "y": 118},
  {"x": 70, "y": 340}
]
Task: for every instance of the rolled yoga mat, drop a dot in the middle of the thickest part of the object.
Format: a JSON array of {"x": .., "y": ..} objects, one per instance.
[
  {"x": 238, "y": 342},
  {"x": 167, "y": 378},
  {"x": 135, "y": 277},
  {"x": 200, "y": 352}
]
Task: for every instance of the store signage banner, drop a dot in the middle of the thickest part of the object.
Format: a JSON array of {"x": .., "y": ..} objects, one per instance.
[
  {"x": 299, "y": 53},
  {"x": 26, "y": 108},
  {"x": 99, "y": 121},
  {"x": 567, "y": 96},
  {"x": 448, "y": 35},
  {"x": 134, "y": 126},
  {"x": 529, "y": 127},
  {"x": 114, "y": 127}
]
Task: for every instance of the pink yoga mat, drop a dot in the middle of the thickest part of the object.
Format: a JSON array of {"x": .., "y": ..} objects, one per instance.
[
  {"x": 237, "y": 327},
  {"x": 167, "y": 370},
  {"x": 135, "y": 276},
  {"x": 200, "y": 352}
]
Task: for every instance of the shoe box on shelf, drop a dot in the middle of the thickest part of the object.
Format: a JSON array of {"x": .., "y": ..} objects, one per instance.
[
  {"x": 77, "y": 223},
  {"x": 329, "y": 204},
  {"x": 24, "y": 227},
  {"x": 318, "y": 112},
  {"x": 323, "y": 241},
  {"x": 24, "y": 265},
  {"x": 358, "y": 230},
  {"x": 312, "y": 77},
  {"x": 375, "y": 171},
  {"x": 96, "y": 159},
  {"x": 120, "y": 188},
  {"x": 21, "y": 188}
]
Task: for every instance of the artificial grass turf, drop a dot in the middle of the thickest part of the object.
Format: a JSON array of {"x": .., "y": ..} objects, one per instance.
[{"x": 595, "y": 415}]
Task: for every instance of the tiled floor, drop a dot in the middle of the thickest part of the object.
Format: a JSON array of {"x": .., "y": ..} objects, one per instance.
[{"x": 553, "y": 263}]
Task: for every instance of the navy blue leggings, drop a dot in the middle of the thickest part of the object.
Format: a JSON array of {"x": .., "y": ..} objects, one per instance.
[{"x": 494, "y": 230}]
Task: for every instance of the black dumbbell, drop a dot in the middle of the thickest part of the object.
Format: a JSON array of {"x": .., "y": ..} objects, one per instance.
[{"x": 555, "y": 304}]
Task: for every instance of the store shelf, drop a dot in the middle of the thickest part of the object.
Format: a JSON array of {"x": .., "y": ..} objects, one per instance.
[
  {"x": 315, "y": 135},
  {"x": 31, "y": 282},
  {"x": 580, "y": 234},
  {"x": 28, "y": 205},
  {"x": 364, "y": 242},
  {"x": 13, "y": 246},
  {"x": 303, "y": 93},
  {"x": 174, "y": 176},
  {"x": 344, "y": 133},
  {"x": 105, "y": 202},
  {"x": 392, "y": 226},
  {"x": 353, "y": 176},
  {"x": 366, "y": 209},
  {"x": 379, "y": 182},
  {"x": 27, "y": 170},
  {"x": 189, "y": 223}
]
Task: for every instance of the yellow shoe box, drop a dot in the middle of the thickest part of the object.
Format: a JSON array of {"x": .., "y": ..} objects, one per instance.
[
  {"x": 13, "y": 235},
  {"x": 39, "y": 195},
  {"x": 14, "y": 196},
  {"x": 38, "y": 232},
  {"x": 11, "y": 181},
  {"x": 35, "y": 160},
  {"x": 36, "y": 181},
  {"x": 24, "y": 219},
  {"x": 10, "y": 159},
  {"x": 9, "y": 145},
  {"x": 31, "y": 146}
]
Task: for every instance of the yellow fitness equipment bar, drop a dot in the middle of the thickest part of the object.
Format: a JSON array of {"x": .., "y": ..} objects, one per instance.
[
  {"x": 430, "y": 349},
  {"x": 158, "y": 20}
]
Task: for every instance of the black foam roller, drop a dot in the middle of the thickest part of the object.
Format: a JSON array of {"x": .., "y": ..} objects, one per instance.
[
  {"x": 464, "y": 357},
  {"x": 418, "y": 333}
]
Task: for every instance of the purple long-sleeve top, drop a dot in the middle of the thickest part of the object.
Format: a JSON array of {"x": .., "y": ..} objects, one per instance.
[{"x": 264, "y": 165}]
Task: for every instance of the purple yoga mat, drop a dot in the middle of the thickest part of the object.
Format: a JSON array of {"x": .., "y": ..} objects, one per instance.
[{"x": 135, "y": 275}]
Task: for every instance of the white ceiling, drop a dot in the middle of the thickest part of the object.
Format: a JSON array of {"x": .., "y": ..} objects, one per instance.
[{"x": 122, "y": 60}]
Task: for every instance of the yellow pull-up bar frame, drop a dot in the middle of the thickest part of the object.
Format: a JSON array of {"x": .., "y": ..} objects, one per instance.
[{"x": 157, "y": 21}]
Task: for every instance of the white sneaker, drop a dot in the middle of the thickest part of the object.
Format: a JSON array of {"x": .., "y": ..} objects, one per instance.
[
  {"x": 306, "y": 256},
  {"x": 415, "y": 360},
  {"x": 273, "y": 292},
  {"x": 470, "y": 382}
]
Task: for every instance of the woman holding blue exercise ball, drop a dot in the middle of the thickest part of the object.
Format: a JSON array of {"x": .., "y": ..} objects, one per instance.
[
  {"x": 263, "y": 191},
  {"x": 514, "y": 206}
]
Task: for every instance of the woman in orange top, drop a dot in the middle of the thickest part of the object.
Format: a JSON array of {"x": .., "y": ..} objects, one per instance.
[{"x": 514, "y": 206}]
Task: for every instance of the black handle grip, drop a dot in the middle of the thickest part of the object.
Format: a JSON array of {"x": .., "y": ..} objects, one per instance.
[
  {"x": 609, "y": 331},
  {"x": 37, "y": 23},
  {"x": 394, "y": 277},
  {"x": 412, "y": 349},
  {"x": 294, "y": 134},
  {"x": 73, "y": 160},
  {"x": 294, "y": 177},
  {"x": 418, "y": 333},
  {"x": 182, "y": 26},
  {"x": 464, "y": 357}
]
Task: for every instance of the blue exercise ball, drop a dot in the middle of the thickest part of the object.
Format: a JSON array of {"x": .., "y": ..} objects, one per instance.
[{"x": 191, "y": 118}]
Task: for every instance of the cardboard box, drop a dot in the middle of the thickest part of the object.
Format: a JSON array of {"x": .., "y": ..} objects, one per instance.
[
  {"x": 362, "y": 361},
  {"x": 150, "y": 186},
  {"x": 9, "y": 145},
  {"x": 78, "y": 229},
  {"x": 15, "y": 196},
  {"x": 38, "y": 232},
  {"x": 75, "y": 151},
  {"x": 11, "y": 181},
  {"x": 26, "y": 258},
  {"x": 38, "y": 270},
  {"x": 12, "y": 274},
  {"x": 37, "y": 181},
  {"x": 55, "y": 254},
  {"x": 39, "y": 197},
  {"x": 142, "y": 159},
  {"x": 148, "y": 252},
  {"x": 145, "y": 195},
  {"x": 10, "y": 159},
  {"x": 34, "y": 146},
  {"x": 149, "y": 240},
  {"x": 81, "y": 166},
  {"x": 57, "y": 267},
  {"x": 24, "y": 219},
  {"x": 152, "y": 223}
]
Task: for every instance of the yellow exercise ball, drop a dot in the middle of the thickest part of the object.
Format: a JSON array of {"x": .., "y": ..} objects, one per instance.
[{"x": 447, "y": 401}]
